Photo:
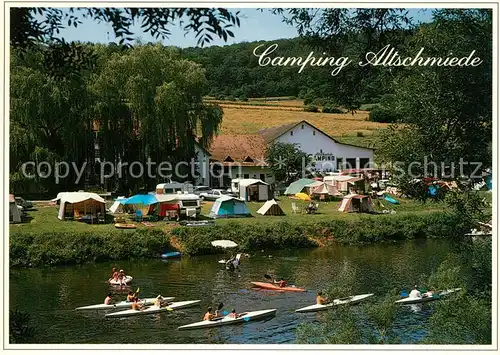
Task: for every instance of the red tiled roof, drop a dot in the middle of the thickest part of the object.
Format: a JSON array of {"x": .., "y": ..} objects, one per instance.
[{"x": 238, "y": 148}]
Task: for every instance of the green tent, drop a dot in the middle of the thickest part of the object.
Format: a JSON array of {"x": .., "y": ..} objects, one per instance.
[{"x": 297, "y": 186}]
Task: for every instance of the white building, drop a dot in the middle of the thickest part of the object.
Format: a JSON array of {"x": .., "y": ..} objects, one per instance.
[
  {"x": 328, "y": 153},
  {"x": 243, "y": 156}
]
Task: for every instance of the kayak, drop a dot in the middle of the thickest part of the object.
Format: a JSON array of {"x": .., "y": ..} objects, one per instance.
[
  {"x": 153, "y": 309},
  {"x": 122, "y": 304},
  {"x": 269, "y": 286},
  {"x": 217, "y": 322},
  {"x": 336, "y": 302},
  {"x": 414, "y": 300},
  {"x": 172, "y": 254},
  {"x": 126, "y": 280}
]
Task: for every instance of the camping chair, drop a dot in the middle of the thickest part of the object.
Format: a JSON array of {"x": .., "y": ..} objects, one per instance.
[{"x": 295, "y": 209}]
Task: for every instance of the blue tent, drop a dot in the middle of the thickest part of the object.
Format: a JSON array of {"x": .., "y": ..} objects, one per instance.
[
  {"x": 227, "y": 206},
  {"x": 140, "y": 200}
]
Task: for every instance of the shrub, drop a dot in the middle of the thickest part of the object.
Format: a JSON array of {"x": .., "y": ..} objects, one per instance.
[
  {"x": 359, "y": 134},
  {"x": 243, "y": 98},
  {"x": 311, "y": 108},
  {"x": 320, "y": 101},
  {"x": 382, "y": 115},
  {"x": 332, "y": 109}
]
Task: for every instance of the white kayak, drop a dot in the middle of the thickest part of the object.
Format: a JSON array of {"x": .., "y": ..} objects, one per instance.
[
  {"x": 243, "y": 317},
  {"x": 126, "y": 280},
  {"x": 153, "y": 309},
  {"x": 414, "y": 300},
  {"x": 123, "y": 304},
  {"x": 334, "y": 303}
]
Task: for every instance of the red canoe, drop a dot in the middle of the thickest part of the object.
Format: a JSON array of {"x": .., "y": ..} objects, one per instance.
[{"x": 270, "y": 286}]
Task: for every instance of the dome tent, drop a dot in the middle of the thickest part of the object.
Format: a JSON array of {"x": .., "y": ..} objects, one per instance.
[{"x": 227, "y": 207}]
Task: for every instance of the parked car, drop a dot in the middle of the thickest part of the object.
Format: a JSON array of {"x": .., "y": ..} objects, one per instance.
[
  {"x": 199, "y": 189},
  {"x": 23, "y": 203},
  {"x": 212, "y": 195}
]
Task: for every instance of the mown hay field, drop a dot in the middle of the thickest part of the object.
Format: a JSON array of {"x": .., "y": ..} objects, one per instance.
[{"x": 347, "y": 127}]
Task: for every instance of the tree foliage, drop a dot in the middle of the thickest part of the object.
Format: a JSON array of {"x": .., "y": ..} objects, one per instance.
[{"x": 287, "y": 162}]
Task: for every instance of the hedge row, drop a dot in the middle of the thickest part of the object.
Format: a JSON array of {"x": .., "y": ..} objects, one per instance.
[
  {"x": 285, "y": 235},
  {"x": 46, "y": 249}
]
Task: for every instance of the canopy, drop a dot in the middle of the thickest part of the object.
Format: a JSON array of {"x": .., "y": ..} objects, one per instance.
[
  {"x": 271, "y": 208},
  {"x": 224, "y": 244},
  {"x": 302, "y": 196},
  {"x": 141, "y": 200},
  {"x": 297, "y": 186}
]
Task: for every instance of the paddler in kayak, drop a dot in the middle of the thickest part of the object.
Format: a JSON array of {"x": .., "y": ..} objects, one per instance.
[
  {"x": 415, "y": 293},
  {"x": 108, "y": 299},
  {"x": 233, "y": 314},
  {"x": 160, "y": 302},
  {"x": 131, "y": 296},
  {"x": 136, "y": 305},
  {"x": 281, "y": 282},
  {"x": 320, "y": 299},
  {"x": 209, "y": 315}
]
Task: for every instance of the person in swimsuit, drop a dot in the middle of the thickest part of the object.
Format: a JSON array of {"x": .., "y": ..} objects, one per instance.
[
  {"x": 320, "y": 299},
  {"x": 136, "y": 305},
  {"x": 209, "y": 315},
  {"x": 233, "y": 314},
  {"x": 131, "y": 296},
  {"x": 108, "y": 299}
]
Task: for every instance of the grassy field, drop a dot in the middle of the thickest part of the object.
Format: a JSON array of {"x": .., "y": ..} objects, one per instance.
[
  {"x": 249, "y": 117},
  {"x": 44, "y": 218}
]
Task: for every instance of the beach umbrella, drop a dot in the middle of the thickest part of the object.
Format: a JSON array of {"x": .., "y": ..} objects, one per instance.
[
  {"x": 303, "y": 196},
  {"x": 224, "y": 244}
]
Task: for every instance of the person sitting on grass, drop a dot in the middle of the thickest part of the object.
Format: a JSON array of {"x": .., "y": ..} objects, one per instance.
[{"x": 320, "y": 299}]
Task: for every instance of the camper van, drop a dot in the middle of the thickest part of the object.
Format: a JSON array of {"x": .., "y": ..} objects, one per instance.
[{"x": 179, "y": 196}]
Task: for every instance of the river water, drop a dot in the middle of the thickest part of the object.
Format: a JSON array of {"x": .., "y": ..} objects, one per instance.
[{"x": 50, "y": 295}]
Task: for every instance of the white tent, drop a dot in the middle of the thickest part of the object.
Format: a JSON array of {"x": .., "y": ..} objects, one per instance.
[
  {"x": 117, "y": 206},
  {"x": 254, "y": 190},
  {"x": 356, "y": 203},
  {"x": 14, "y": 213},
  {"x": 271, "y": 208},
  {"x": 80, "y": 202}
]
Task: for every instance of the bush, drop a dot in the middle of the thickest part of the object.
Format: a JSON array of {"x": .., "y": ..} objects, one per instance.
[
  {"x": 311, "y": 108},
  {"x": 243, "y": 98},
  {"x": 320, "y": 101},
  {"x": 332, "y": 109},
  {"x": 230, "y": 98},
  {"x": 382, "y": 115},
  {"x": 359, "y": 134}
]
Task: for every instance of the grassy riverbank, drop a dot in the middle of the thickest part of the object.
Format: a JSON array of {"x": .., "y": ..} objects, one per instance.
[{"x": 45, "y": 240}]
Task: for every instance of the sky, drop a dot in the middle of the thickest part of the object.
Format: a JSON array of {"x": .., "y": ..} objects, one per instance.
[{"x": 255, "y": 26}]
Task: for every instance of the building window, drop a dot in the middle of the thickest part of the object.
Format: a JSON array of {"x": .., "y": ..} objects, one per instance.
[
  {"x": 321, "y": 151},
  {"x": 237, "y": 176},
  {"x": 314, "y": 133},
  {"x": 291, "y": 133},
  {"x": 302, "y": 126},
  {"x": 246, "y": 176}
]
